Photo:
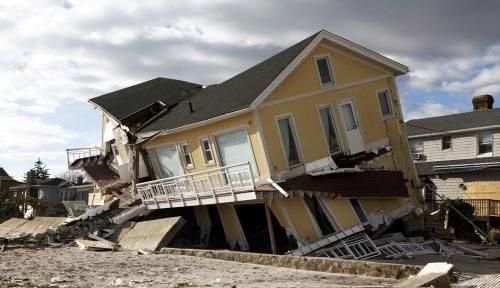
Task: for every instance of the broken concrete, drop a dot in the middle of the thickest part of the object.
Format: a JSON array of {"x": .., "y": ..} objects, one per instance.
[
  {"x": 437, "y": 275},
  {"x": 374, "y": 269},
  {"x": 16, "y": 227},
  {"x": 151, "y": 234}
]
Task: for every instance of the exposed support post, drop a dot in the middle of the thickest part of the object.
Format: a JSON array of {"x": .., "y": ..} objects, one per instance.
[
  {"x": 136, "y": 169},
  {"x": 270, "y": 228}
]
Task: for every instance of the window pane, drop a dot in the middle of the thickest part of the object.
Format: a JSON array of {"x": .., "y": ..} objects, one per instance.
[
  {"x": 348, "y": 114},
  {"x": 289, "y": 143},
  {"x": 187, "y": 156},
  {"x": 417, "y": 146},
  {"x": 207, "y": 152},
  {"x": 324, "y": 70},
  {"x": 383, "y": 99},
  {"x": 485, "y": 143},
  {"x": 446, "y": 142},
  {"x": 168, "y": 161},
  {"x": 359, "y": 210},
  {"x": 329, "y": 129}
]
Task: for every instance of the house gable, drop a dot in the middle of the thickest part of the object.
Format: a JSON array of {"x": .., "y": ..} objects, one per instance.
[{"x": 347, "y": 69}]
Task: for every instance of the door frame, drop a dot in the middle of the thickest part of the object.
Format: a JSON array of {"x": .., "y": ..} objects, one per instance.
[{"x": 355, "y": 112}]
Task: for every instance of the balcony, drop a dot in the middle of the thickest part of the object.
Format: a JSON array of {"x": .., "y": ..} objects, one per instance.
[
  {"x": 80, "y": 153},
  {"x": 482, "y": 207},
  {"x": 221, "y": 185}
]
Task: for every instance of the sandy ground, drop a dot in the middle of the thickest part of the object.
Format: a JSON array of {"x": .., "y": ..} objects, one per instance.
[{"x": 102, "y": 269}]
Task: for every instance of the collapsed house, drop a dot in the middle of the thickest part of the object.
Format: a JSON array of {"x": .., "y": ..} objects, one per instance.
[{"x": 306, "y": 144}]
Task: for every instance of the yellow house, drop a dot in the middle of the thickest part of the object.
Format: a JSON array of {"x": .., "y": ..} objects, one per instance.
[{"x": 308, "y": 142}]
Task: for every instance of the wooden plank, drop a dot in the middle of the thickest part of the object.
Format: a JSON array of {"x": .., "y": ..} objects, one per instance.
[{"x": 270, "y": 229}]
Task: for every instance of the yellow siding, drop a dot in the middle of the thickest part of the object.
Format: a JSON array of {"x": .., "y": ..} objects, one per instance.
[
  {"x": 194, "y": 135},
  {"x": 300, "y": 218},
  {"x": 308, "y": 126},
  {"x": 305, "y": 79},
  {"x": 342, "y": 210},
  {"x": 483, "y": 190}
]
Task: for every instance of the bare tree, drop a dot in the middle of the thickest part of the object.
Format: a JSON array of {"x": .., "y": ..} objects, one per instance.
[{"x": 72, "y": 176}]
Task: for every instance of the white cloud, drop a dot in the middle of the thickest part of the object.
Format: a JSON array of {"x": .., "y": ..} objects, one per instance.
[
  {"x": 24, "y": 133},
  {"x": 429, "y": 109},
  {"x": 467, "y": 75}
]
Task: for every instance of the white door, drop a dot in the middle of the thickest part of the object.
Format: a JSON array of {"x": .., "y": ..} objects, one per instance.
[
  {"x": 351, "y": 127},
  {"x": 234, "y": 149}
]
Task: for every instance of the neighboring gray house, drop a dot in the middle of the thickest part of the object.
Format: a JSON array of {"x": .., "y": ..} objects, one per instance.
[
  {"x": 460, "y": 153},
  {"x": 52, "y": 191}
]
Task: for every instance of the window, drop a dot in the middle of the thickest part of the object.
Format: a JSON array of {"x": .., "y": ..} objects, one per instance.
[
  {"x": 328, "y": 125},
  {"x": 324, "y": 71},
  {"x": 207, "y": 151},
  {"x": 384, "y": 102},
  {"x": 485, "y": 144},
  {"x": 288, "y": 141},
  {"x": 188, "y": 161},
  {"x": 446, "y": 142},
  {"x": 168, "y": 161},
  {"x": 320, "y": 215},
  {"x": 356, "y": 206},
  {"x": 116, "y": 153},
  {"x": 417, "y": 146}
]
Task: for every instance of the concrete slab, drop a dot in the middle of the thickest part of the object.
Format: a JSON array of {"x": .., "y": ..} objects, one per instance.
[
  {"x": 151, "y": 234},
  {"x": 39, "y": 225},
  {"x": 10, "y": 225}
]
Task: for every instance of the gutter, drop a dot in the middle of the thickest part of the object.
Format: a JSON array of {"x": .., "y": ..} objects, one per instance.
[
  {"x": 453, "y": 131},
  {"x": 156, "y": 134}
]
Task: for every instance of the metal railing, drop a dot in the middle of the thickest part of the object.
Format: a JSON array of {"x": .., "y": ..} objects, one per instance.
[
  {"x": 74, "y": 154},
  {"x": 229, "y": 179},
  {"x": 482, "y": 207}
]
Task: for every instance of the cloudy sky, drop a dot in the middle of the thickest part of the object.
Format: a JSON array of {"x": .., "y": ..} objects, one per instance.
[{"x": 56, "y": 54}]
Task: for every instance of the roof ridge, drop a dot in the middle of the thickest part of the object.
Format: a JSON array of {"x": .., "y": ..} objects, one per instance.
[{"x": 455, "y": 114}]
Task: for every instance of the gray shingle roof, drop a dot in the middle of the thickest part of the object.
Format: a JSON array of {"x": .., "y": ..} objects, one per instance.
[
  {"x": 467, "y": 120},
  {"x": 124, "y": 102},
  {"x": 231, "y": 95},
  {"x": 457, "y": 166},
  {"x": 3, "y": 173}
]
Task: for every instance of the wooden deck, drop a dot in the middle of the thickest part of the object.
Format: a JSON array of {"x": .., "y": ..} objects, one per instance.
[{"x": 482, "y": 207}]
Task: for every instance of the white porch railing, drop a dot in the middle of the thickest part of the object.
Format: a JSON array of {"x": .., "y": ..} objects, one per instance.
[
  {"x": 225, "y": 184},
  {"x": 74, "y": 154}
]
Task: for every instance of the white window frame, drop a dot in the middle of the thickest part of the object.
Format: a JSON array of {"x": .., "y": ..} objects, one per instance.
[
  {"x": 488, "y": 154},
  {"x": 332, "y": 115},
  {"x": 295, "y": 136},
  {"x": 389, "y": 102},
  {"x": 411, "y": 146},
  {"x": 183, "y": 144},
  {"x": 330, "y": 68},
  {"x": 202, "y": 148}
]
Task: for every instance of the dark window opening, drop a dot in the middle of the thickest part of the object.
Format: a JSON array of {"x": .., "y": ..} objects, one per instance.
[
  {"x": 446, "y": 142},
  {"x": 324, "y": 70},
  {"x": 358, "y": 210},
  {"x": 320, "y": 215}
]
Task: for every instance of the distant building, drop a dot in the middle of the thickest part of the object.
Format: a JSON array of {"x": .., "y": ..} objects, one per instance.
[{"x": 459, "y": 155}]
